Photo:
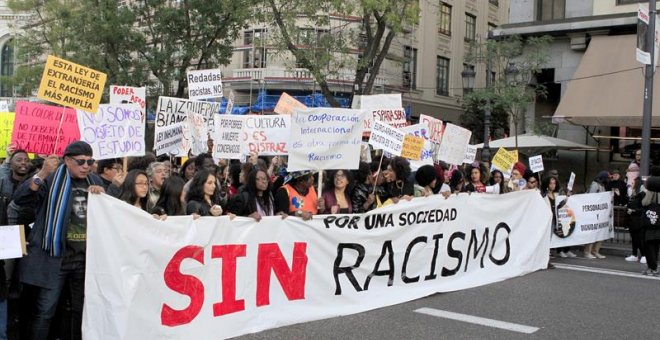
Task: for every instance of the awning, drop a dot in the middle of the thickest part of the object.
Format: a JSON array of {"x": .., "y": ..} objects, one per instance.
[
  {"x": 531, "y": 144},
  {"x": 608, "y": 85}
]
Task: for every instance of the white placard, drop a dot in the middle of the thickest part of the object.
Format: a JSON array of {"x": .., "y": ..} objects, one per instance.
[
  {"x": 387, "y": 138},
  {"x": 228, "y": 139},
  {"x": 129, "y": 95},
  {"x": 204, "y": 84},
  {"x": 571, "y": 181},
  {"x": 583, "y": 219},
  {"x": 382, "y": 107},
  {"x": 435, "y": 125},
  {"x": 10, "y": 242},
  {"x": 325, "y": 139},
  {"x": 230, "y": 102},
  {"x": 175, "y": 110},
  {"x": 4, "y": 106},
  {"x": 169, "y": 140},
  {"x": 455, "y": 140},
  {"x": 470, "y": 154},
  {"x": 536, "y": 163},
  {"x": 267, "y": 135},
  {"x": 197, "y": 134},
  {"x": 421, "y": 130},
  {"x": 114, "y": 131}
]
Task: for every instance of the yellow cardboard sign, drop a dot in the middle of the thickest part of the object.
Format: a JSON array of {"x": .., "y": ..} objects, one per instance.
[
  {"x": 6, "y": 128},
  {"x": 71, "y": 85},
  {"x": 412, "y": 147},
  {"x": 504, "y": 160},
  {"x": 287, "y": 104}
]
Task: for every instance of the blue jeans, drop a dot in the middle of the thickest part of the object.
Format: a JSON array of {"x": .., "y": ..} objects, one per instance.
[
  {"x": 3, "y": 320},
  {"x": 46, "y": 300}
]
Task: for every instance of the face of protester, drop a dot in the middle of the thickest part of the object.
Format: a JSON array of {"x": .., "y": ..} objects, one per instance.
[
  {"x": 638, "y": 156},
  {"x": 158, "y": 177},
  {"x": 209, "y": 186},
  {"x": 20, "y": 164},
  {"x": 515, "y": 174},
  {"x": 262, "y": 181},
  {"x": 168, "y": 168},
  {"x": 389, "y": 174},
  {"x": 79, "y": 206},
  {"x": 616, "y": 176},
  {"x": 190, "y": 172},
  {"x": 552, "y": 185},
  {"x": 111, "y": 173},
  {"x": 532, "y": 183},
  {"x": 208, "y": 164},
  {"x": 475, "y": 175},
  {"x": 340, "y": 180},
  {"x": 79, "y": 171},
  {"x": 141, "y": 186},
  {"x": 497, "y": 178}
]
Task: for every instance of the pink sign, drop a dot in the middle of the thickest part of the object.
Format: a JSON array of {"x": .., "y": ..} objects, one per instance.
[{"x": 44, "y": 129}]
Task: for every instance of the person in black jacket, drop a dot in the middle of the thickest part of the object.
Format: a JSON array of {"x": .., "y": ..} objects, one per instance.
[
  {"x": 201, "y": 197},
  {"x": 618, "y": 187},
  {"x": 634, "y": 222},
  {"x": 255, "y": 200},
  {"x": 399, "y": 184}
]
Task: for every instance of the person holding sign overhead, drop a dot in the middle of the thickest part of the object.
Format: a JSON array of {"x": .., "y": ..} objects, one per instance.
[{"x": 298, "y": 197}]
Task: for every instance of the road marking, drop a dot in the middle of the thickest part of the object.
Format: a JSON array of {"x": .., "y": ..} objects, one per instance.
[
  {"x": 478, "y": 320},
  {"x": 605, "y": 271}
]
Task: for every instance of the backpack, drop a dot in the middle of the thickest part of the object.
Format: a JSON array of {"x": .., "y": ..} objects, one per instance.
[{"x": 651, "y": 215}]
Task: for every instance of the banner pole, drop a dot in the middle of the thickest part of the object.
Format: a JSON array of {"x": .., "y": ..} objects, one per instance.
[
  {"x": 380, "y": 163},
  {"x": 125, "y": 164},
  {"x": 320, "y": 185},
  {"x": 59, "y": 128}
]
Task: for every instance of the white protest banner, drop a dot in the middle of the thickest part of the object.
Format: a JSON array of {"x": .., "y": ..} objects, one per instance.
[
  {"x": 287, "y": 104},
  {"x": 455, "y": 140},
  {"x": 130, "y": 95},
  {"x": 185, "y": 279},
  {"x": 267, "y": 135},
  {"x": 11, "y": 242},
  {"x": 583, "y": 219},
  {"x": 197, "y": 133},
  {"x": 536, "y": 163},
  {"x": 169, "y": 139},
  {"x": 382, "y": 107},
  {"x": 204, "y": 84},
  {"x": 421, "y": 130},
  {"x": 174, "y": 110},
  {"x": 228, "y": 139},
  {"x": 435, "y": 125},
  {"x": 4, "y": 106},
  {"x": 571, "y": 181},
  {"x": 470, "y": 154},
  {"x": 387, "y": 138},
  {"x": 114, "y": 131},
  {"x": 325, "y": 139},
  {"x": 230, "y": 102}
]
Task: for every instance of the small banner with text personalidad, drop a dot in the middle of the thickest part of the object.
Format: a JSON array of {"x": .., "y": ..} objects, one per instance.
[
  {"x": 114, "y": 131},
  {"x": 185, "y": 279},
  {"x": 583, "y": 219},
  {"x": 71, "y": 85},
  {"x": 325, "y": 139}
]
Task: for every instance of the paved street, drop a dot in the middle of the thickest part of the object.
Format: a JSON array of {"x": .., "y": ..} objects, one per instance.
[{"x": 581, "y": 299}]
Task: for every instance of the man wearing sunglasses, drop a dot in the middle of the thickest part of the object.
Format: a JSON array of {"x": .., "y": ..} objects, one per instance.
[{"x": 57, "y": 242}]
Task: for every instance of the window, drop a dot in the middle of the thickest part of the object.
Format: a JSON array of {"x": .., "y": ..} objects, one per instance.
[
  {"x": 310, "y": 36},
  {"x": 550, "y": 9},
  {"x": 442, "y": 76},
  {"x": 494, "y": 2},
  {"x": 6, "y": 67},
  {"x": 445, "y": 19},
  {"x": 491, "y": 26},
  {"x": 256, "y": 55},
  {"x": 470, "y": 27},
  {"x": 409, "y": 78},
  {"x": 627, "y": 2}
]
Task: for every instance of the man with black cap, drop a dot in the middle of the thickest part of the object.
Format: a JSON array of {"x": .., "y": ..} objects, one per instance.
[{"x": 56, "y": 249}]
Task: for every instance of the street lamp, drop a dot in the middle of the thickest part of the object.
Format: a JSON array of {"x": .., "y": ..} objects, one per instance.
[{"x": 469, "y": 76}]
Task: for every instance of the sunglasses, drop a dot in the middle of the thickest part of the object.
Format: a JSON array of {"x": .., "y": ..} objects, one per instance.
[{"x": 82, "y": 162}]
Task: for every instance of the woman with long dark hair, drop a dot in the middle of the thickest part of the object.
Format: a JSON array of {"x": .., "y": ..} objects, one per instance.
[
  {"x": 256, "y": 200},
  {"x": 363, "y": 197},
  {"x": 202, "y": 194},
  {"x": 135, "y": 188},
  {"x": 171, "y": 200},
  {"x": 336, "y": 196},
  {"x": 399, "y": 184},
  {"x": 187, "y": 170}
]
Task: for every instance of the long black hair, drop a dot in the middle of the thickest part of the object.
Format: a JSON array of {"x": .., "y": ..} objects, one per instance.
[
  {"x": 251, "y": 189},
  {"x": 196, "y": 190},
  {"x": 169, "y": 202},
  {"x": 128, "y": 194}
]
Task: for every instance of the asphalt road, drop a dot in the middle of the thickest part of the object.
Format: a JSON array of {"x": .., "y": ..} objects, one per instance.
[{"x": 581, "y": 299}]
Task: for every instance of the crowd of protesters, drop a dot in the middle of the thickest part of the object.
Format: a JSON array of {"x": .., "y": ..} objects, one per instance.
[{"x": 45, "y": 291}]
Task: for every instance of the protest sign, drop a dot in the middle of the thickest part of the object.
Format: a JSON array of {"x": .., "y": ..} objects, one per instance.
[
  {"x": 536, "y": 163},
  {"x": 470, "y": 154},
  {"x": 583, "y": 219},
  {"x": 44, "y": 129},
  {"x": 504, "y": 160},
  {"x": 571, "y": 181},
  {"x": 365, "y": 152},
  {"x": 167, "y": 280},
  {"x": 412, "y": 147},
  {"x": 230, "y": 102},
  {"x": 287, "y": 104},
  {"x": 325, "y": 138},
  {"x": 6, "y": 127},
  {"x": 71, "y": 85},
  {"x": 204, "y": 84},
  {"x": 12, "y": 244},
  {"x": 197, "y": 134},
  {"x": 267, "y": 135},
  {"x": 435, "y": 125},
  {"x": 130, "y": 95},
  {"x": 455, "y": 140},
  {"x": 114, "y": 131},
  {"x": 387, "y": 138},
  {"x": 4, "y": 106},
  {"x": 382, "y": 107},
  {"x": 174, "y": 110},
  {"x": 169, "y": 139},
  {"x": 421, "y": 130},
  {"x": 228, "y": 139}
]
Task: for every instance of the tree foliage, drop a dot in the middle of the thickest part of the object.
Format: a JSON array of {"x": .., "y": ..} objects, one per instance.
[
  {"x": 134, "y": 43},
  {"x": 361, "y": 45}
]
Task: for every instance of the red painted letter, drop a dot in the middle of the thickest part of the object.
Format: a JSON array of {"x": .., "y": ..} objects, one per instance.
[
  {"x": 184, "y": 284},
  {"x": 228, "y": 254},
  {"x": 291, "y": 280}
]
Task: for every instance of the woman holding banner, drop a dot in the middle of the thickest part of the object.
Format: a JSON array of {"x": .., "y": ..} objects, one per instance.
[
  {"x": 336, "y": 198},
  {"x": 363, "y": 197},
  {"x": 475, "y": 184},
  {"x": 255, "y": 200},
  {"x": 135, "y": 188},
  {"x": 201, "y": 195},
  {"x": 297, "y": 196},
  {"x": 171, "y": 201},
  {"x": 426, "y": 179}
]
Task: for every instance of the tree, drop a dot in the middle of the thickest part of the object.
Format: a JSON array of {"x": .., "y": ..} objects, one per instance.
[
  {"x": 514, "y": 62},
  {"x": 132, "y": 43},
  {"x": 380, "y": 21}
]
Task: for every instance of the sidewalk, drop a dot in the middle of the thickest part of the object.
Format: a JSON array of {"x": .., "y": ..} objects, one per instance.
[{"x": 613, "y": 248}]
